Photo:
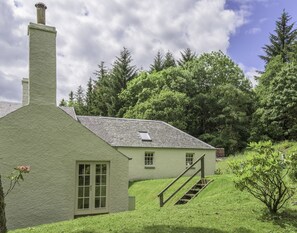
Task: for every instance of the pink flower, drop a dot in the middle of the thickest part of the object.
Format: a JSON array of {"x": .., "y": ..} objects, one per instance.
[{"x": 23, "y": 168}]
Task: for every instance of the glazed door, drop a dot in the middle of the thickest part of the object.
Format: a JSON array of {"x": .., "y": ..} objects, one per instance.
[{"x": 92, "y": 188}]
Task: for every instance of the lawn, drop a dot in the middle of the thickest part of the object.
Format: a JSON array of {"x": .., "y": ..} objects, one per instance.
[{"x": 219, "y": 208}]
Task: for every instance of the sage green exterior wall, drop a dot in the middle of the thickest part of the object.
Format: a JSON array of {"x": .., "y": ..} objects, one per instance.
[
  {"x": 51, "y": 142},
  {"x": 42, "y": 64},
  {"x": 169, "y": 162}
]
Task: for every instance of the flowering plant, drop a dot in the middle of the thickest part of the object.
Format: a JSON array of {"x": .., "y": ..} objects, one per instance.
[{"x": 17, "y": 175}]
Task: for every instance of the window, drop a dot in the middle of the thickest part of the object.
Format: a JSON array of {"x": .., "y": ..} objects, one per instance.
[
  {"x": 92, "y": 186},
  {"x": 144, "y": 136},
  {"x": 189, "y": 159},
  {"x": 149, "y": 159}
]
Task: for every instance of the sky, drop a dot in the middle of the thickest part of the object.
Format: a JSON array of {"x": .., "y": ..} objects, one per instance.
[{"x": 97, "y": 30}]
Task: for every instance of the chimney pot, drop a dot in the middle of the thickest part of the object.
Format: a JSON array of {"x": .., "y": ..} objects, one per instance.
[{"x": 40, "y": 7}]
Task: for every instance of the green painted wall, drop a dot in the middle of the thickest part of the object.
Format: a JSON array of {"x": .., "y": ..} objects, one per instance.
[
  {"x": 42, "y": 64},
  {"x": 168, "y": 162},
  {"x": 49, "y": 140}
]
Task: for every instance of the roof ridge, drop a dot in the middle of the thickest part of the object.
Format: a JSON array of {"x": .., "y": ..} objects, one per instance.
[{"x": 121, "y": 118}]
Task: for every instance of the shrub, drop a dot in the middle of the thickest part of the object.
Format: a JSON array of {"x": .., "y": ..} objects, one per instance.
[{"x": 263, "y": 173}]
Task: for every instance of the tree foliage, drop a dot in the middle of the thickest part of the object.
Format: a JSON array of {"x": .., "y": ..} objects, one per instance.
[
  {"x": 264, "y": 175},
  {"x": 216, "y": 96},
  {"x": 186, "y": 56},
  {"x": 275, "y": 117},
  {"x": 281, "y": 43}
]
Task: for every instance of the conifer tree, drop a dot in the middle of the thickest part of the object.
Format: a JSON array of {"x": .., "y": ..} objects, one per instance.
[
  {"x": 158, "y": 63},
  {"x": 169, "y": 60},
  {"x": 281, "y": 43},
  {"x": 186, "y": 55}
]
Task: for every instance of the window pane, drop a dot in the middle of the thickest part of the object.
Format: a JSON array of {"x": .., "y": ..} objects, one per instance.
[
  {"x": 103, "y": 168},
  {"x": 80, "y": 203},
  {"x": 98, "y": 180},
  {"x": 97, "y": 202},
  {"x": 80, "y": 192},
  {"x": 87, "y": 169},
  {"x": 97, "y": 191},
  {"x": 103, "y": 202},
  {"x": 80, "y": 180},
  {"x": 103, "y": 179},
  {"x": 98, "y": 168},
  {"x": 81, "y": 169},
  {"x": 103, "y": 191},
  {"x": 86, "y": 203},
  {"x": 87, "y": 191},
  {"x": 87, "y": 180}
]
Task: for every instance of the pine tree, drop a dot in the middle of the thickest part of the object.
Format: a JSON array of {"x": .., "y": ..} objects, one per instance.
[
  {"x": 186, "y": 55},
  {"x": 282, "y": 41},
  {"x": 89, "y": 98},
  {"x": 122, "y": 70},
  {"x": 79, "y": 103},
  {"x": 63, "y": 103},
  {"x": 158, "y": 63},
  {"x": 169, "y": 60},
  {"x": 101, "y": 73},
  {"x": 71, "y": 99}
]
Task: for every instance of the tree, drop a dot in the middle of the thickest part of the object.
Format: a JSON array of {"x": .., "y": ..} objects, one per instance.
[
  {"x": 90, "y": 96},
  {"x": 263, "y": 174},
  {"x": 121, "y": 73},
  {"x": 186, "y": 55},
  {"x": 71, "y": 99},
  {"x": 281, "y": 43},
  {"x": 219, "y": 99},
  {"x": 63, "y": 103},
  {"x": 79, "y": 101},
  {"x": 158, "y": 63},
  {"x": 167, "y": 105},
  {"x": 169, "y": 60}
]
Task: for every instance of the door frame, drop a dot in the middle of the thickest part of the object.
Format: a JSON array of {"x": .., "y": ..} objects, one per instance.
[{"x": 92, "y": 210}]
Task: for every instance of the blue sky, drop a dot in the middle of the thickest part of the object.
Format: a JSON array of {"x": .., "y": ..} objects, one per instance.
[
  {"x": 97, "y": 30},
  {"x": 246, "y": 44}
]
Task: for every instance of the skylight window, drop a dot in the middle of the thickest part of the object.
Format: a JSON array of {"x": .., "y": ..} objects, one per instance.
[{"x": 145, "y": 136}]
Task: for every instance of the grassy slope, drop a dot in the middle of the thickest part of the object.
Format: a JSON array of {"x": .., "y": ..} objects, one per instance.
[{"x": 218, "y": 209}]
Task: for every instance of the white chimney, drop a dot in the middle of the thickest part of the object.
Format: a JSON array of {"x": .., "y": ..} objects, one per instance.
[{"x": 25, "y": 97}]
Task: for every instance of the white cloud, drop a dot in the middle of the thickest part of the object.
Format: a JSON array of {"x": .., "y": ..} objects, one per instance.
[
  {"x": 253, "y": 30},
  {"x": 250, "y": 73},
  {"x": 93, "y": 31}
]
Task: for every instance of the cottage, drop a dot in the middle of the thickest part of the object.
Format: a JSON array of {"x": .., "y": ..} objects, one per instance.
[
  {"x": 157, "y": 149},
  {"x": 74, "y": 172}
]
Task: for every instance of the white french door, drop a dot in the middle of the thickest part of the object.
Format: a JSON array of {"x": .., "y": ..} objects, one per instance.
[{"x": 91, "y": 187}]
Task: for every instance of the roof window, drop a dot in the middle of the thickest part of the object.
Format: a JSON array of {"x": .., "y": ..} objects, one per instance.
[{"x": 145, "y": 136}]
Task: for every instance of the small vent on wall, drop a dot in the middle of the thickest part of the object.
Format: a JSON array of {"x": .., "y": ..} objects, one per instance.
[{"x": 144, "y": 136}]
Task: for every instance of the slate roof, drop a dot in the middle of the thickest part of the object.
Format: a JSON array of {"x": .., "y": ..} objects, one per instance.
[
  {"x": 121, "y": 132},
  {"x": 8, "y": 107}
]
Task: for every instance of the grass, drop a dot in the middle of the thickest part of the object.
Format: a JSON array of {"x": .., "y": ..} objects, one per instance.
[{"x": 220, "y": 208}]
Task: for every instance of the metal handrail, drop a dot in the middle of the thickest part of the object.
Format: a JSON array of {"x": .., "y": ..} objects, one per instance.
[{"x": 160, "y": 195}]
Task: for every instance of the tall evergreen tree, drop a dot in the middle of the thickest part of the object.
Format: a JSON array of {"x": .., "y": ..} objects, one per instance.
[
  {"x": 63, "y": 103},
  {"x": 169, "y": 60},
  {"x": 281, "y": 43},
  {"x": 186, "y": 55},
  {"x": 89, "y": 98},
  {"x": 71, "y": 99},
  {"x": 158, "y": 63},
  {"x": 79, "y": 103},
  {"x": 101, "y": 73}
]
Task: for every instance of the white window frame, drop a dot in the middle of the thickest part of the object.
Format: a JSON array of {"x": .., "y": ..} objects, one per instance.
[
  {"x": 149, "y": 155},
  {"x": 189, "y": 156}
]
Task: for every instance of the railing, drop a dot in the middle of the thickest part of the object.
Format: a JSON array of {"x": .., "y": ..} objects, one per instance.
[{"x": 161, "y": 194}]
